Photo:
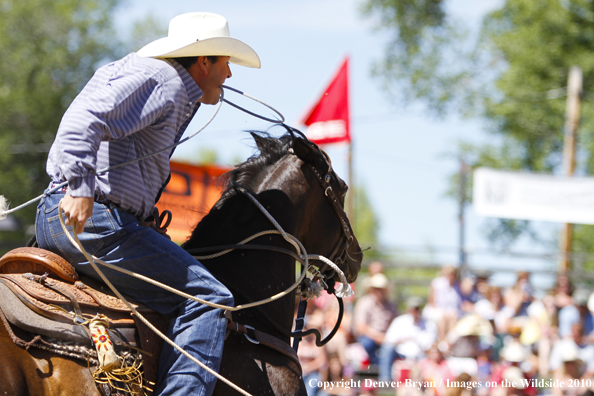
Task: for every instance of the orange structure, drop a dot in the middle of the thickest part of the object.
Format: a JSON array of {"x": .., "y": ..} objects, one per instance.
[{"x": 190, "y": 194}]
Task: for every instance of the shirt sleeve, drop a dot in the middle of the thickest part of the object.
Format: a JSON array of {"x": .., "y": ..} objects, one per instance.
[
  {"x": 361, "y": 311},
  {"x": 109, "y": 111},
  {"x": 392, "y": 334}
]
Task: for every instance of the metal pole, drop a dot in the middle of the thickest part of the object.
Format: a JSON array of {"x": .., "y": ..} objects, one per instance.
[
  {"x": 572, "y": 120},
  {"x": 350, "y": 204},
  {"x": 461, "y": 221}
]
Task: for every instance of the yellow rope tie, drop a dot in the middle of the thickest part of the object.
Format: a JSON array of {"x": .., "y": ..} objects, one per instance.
[
  {"x": 130, "y": 376},
  {"x": 93, "y": 260}
]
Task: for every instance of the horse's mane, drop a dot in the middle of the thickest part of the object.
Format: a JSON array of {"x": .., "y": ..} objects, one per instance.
[
  {"x": 270, "y": 150},
  {"x": 248, "y": 174}
]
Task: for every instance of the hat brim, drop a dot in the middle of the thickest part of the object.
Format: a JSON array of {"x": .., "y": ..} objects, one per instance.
[{"x": 239, "y": 52}]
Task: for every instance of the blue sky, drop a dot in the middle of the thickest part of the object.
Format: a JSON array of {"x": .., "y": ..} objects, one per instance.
[{"x": 400, "y": 154}]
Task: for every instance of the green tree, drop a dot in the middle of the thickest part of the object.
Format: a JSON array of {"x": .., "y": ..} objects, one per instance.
[
  {"x": 512, "y": 74},
  {"x": 365, "y": 223},
  {"x": 49, "y": 51}
]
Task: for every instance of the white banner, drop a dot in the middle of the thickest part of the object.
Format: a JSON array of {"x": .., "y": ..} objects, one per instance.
[{"x": 527, "y": 196}]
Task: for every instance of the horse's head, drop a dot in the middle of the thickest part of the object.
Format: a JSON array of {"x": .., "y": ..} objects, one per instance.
[
  {"x": 326, "y": 193},
  {"x": 346, "y": 252},
  {"x": 293, "y": 178}
]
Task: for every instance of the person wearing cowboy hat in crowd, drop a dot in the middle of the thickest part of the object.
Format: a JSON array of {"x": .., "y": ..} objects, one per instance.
[
  {"x": 576, "y": 341},
  {"x": 573, "y": 376},
  {"x": 372, "y": 316},
  {"x": 512, "y": 370},
  {"x": 407, "y": 339},
  {"x": 130, "y": 108}
]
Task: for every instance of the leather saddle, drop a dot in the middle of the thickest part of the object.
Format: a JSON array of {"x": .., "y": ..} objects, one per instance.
[{"x": 41, "y": 294}]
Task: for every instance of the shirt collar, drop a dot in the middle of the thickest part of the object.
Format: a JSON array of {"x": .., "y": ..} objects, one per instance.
[{"x": 193, "y": 90}]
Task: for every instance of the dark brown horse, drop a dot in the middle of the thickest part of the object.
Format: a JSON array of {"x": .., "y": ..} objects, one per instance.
[{"x": 293, "y": 180}]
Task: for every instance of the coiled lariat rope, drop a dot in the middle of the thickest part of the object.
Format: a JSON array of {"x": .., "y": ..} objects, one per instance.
[
  {"x": 346, "y": 290},
  {"x": 288, "y": 237},
  {"x": 93, "y": 260},
  {"x": 4, "y": 211}
]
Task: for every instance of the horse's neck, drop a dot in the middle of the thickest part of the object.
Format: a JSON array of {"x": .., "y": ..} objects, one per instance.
[{"x": 251, "y": 275}]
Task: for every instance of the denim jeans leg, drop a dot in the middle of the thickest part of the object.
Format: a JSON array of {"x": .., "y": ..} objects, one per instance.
[
  {"x": 371, "y": 347},
  {"x": 387, "y": 355},
  {"x": 115, "y": 237}
]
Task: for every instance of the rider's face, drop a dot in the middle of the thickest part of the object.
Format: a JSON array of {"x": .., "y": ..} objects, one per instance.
[{"x": 213, "y": 76}]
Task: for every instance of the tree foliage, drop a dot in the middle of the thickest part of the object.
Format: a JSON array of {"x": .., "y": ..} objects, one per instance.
[
  {"x": 365, "y": 223},
  {"x": 425, "y": 42},
  {"x": 49, "y": 49},
  {"x": 512, "y": 73}
]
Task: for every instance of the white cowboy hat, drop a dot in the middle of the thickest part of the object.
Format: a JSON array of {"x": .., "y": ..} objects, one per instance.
[
  {"x": 515, "y": 377},
  {"x": 570, "y": 352},
  {"x": 200, "y": 34},
  {"x": 514, "y": 352},
  {"x": 378, "y": 281},
  {"x": 472, "y": 325}
]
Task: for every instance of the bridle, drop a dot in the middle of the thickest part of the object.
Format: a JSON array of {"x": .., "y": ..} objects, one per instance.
[{"x": 340, "y": 253}]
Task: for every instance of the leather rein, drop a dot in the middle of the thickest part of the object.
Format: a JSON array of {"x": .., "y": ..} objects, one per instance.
[{"x": 339, "y": 255}]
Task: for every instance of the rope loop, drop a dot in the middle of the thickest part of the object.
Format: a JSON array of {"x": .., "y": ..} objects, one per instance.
[{"x": 345, "y": 290}]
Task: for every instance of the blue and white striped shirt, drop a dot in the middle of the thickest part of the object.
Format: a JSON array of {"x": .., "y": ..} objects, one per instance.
[{"x": 130, "y": 108}]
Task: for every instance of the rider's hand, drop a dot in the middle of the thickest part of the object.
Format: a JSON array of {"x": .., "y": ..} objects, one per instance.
[{"x": 77, "y": 210}]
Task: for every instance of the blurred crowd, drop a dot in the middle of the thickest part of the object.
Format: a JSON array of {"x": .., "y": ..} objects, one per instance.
[{"x": 465, "y": 336}]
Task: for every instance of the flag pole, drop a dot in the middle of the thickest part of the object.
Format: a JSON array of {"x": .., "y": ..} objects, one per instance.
[
  {"x": 574, "y": 93},
  {"x": 328, "y": 121},
  {"x": 350, "y": 204}
]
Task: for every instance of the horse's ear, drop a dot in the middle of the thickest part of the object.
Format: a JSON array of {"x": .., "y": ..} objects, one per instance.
[
  {"x": 304, "y": 150},
  {"x": 260, "y": 141}
]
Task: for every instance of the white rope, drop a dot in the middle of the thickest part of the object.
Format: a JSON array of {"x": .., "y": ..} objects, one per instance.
[
  {"x": 4, "y": 208},
  {"x": 223, "y": 252},
  {"x": 289, "y": 238},
  {"x": 346, "y": 290},
  {"x": 4, "y": 211},
  {"x": 282, "y": 118},
  {"x": 91, "y": 259}
]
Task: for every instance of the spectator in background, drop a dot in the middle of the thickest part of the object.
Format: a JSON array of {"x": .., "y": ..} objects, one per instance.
[
  {"x": 338, "y": 376},
  {"x": 575, "y": 312},
  {"x": 576, "y": 341},
  {"x": 571, "y": 370},
  {"x": 314, "y": 360},
  {"x": 589, "y": 322},
  {"x": 407, "y": 338},
  {"x": 563, "y": 291},
  {"x": 337, "y": 346},
  {"x": 468, "y": 295},
  {"x": 492, "y": 309},
  {"x": 375, "y": 267},
  {"x": 514, "y": 354},
  {"x": 466, "y": 342},
  {"x": 519, "y": 296},
  {"x": 434, "y": 368},
  {"x": 373, "y": 315},
  {"x": 443, "y": 305},
  {"x": 548, "y": 322},
  {"x": 482, "y": 283}
]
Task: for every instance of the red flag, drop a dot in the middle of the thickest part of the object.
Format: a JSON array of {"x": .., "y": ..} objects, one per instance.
[{"x": 328, "y": 119}]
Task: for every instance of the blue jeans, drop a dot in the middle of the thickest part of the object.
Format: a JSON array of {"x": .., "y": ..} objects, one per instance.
[
  {"x": 115, "y": 236},
  {"x": 371, "y": 347},
  {"x": 387, "y": 355}
]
